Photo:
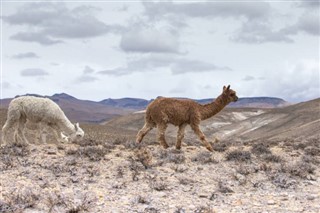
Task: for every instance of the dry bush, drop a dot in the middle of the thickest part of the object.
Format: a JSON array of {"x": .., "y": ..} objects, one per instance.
[
  {"x": 271, "y": 158},
  {"x": 120, "y": 172},
  {"x": 312, "y": 150},
  {"x": 57, "y": 201},
  {"x": 224, "y": 188},
  {"x": 119, "y": 141},
  {"x": 282, "y": 180},
  {"x": 94, "y": 153},
  {"x": 20, "y": 150},
  {"x": 88, "y": 142},
  {"x": 204, "y": 209},
  {"x": 238, "y": 155},
  {"x": 246, "y": 169},
  {"x": 221, "y": 146},
  {"x": 157, "y": 184},
  {"x": 130, "y": 144},
  {"x": 260, "y": 149},
  {"x": 185, "y": 180},
  {"x": 180, "y": 210},
  {"x": 144, "y": 156},
  {"x": 172, "y": 155},
  {"x": 142, "y": 200},
  {"x": 299, "y": 169},
  {"x": 204, "y": 157},
  {"x": 6, "y": 162},
  {"x": 135, "y": 168},
  {"x": 18, "y": 200},
  {"x": 310, "y": 159},
  {"x": 151, "y": 210}
]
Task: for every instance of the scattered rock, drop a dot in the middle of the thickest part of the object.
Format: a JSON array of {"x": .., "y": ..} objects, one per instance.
[{"x": 271, "y": 202}]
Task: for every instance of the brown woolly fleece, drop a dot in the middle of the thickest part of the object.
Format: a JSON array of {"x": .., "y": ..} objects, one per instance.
[{"x": 163, "y": 111}]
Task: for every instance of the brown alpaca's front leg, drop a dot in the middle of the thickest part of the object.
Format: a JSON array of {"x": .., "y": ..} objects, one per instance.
[
  {"x": 145, "y": 129},
  {"x": 161, "y": 135},
  {"x": 180, "y": 135},
  {"x": 200, "y": 134}
]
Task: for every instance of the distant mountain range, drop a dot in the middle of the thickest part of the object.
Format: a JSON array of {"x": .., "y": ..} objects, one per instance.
[{"x": 100, "y": 111}]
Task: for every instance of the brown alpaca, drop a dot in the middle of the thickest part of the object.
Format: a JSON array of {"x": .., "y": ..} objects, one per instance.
[{"x": 163, "y": 111}]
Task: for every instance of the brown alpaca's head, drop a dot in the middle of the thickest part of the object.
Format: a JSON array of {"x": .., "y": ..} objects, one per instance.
[{"x": 229, "y": 94}]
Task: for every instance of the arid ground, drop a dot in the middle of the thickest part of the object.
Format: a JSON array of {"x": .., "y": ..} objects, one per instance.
[{"x": 264, "y": 161}]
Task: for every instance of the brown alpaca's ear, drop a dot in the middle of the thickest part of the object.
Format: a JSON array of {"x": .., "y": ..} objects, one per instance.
[{"x": 226, "y": 88}]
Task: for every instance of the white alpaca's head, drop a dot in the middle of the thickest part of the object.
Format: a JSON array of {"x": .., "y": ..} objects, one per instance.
[{"x": 75, "y": 136}]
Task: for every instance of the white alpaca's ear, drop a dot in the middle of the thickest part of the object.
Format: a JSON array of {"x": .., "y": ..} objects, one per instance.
[{"x": 76, "y": 126}]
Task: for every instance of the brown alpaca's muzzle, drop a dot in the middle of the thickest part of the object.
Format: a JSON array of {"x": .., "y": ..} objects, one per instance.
[{"x": 235, "y": 99}]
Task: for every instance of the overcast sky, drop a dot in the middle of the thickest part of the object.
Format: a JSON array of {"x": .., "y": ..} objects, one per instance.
[{"x": 97, "y": 50}]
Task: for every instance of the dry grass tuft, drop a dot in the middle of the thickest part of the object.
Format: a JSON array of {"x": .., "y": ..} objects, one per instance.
[
  {"x": 18, "y": 200},
  {"x": 172, "y": 155},
  {"x": 204, "y": 157},
  {"x": 238, "y": 155}
]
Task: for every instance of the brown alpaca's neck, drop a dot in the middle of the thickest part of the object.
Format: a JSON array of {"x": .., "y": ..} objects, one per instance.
[{"x": 209, "y": 110}]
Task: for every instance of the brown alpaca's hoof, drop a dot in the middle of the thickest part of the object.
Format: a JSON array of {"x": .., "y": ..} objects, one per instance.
[
  {"x": 165, "y": 146},
  {"x": 178, "y": 147},
  {"x": 209, "y": 148}
]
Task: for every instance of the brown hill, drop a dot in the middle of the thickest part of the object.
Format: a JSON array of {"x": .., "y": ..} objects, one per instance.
[
  {"x": 82, "y": 110},
  {"x": 299, "y": 120}
]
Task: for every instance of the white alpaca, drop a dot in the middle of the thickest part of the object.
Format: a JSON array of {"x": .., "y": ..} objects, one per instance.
[{"x": 45, "y": 113}]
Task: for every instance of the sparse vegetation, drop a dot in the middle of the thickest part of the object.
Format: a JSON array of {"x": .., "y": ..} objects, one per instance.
[
  {"x": 129, "y": 177},
  {"x": 18, "y": 200},
  {"x": 260, "y": 149},
  {"x": 172, "y": 155},
  {"x": 238, "y": 155},
  {"x": 203, "y": 158}
]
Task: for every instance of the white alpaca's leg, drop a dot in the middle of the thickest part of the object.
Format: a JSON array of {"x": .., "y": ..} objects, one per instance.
[
  {"x": 21, "y": 130},
  {"x": 12, "y": 120},
  {"x": 5, "y": 130}
]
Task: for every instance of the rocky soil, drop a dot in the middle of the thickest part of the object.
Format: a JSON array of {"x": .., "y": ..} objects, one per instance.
[{"x": 108, "y": 172}]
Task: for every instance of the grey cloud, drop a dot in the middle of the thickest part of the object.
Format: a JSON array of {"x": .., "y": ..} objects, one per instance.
[
  {"x": 308, "y": 23},
  {"x": 25, "y": 55},
  {"x": 35, "y": 37},
  {"x": 86, "y": 75},
  {"x": 177, "y": 65},
  {"x": 309, "y": 4},
  {"x": 250, "y": 10},
  {"x": 33, "y": 72},
  {"x": 119, "y": 71},
  {"x": 184, "y": 66},
  {"x": 258, "y": 32},
  {"x": 5, "y": 85},
  {"x": 178, "y": 90},
  {"x": 55, "y": 20},
  {"x": 88, "y": 70},
  {"x": 146, "y": 40},
  {"x": 86, "y": 78},
  {"x": 248, "y": 78}
]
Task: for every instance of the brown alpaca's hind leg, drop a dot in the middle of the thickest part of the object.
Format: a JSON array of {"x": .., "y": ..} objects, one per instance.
[
  {"x": 200, "y": 134},
  {"x": 180, "y": 135},
  {"x": 161, "y": 135},
  {"x": 145, "y": 129}
]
